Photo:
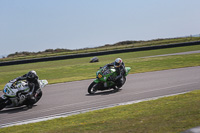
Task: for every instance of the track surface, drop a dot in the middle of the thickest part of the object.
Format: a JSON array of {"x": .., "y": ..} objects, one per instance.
[{"x": 72, "y": 96}]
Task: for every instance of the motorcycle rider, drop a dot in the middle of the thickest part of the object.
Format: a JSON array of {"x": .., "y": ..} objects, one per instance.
[
  {"x": 33, "y": 84},
  {"x": 120, "y": 69}
]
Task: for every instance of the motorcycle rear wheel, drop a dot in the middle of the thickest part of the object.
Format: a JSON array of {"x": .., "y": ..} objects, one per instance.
[
  {"x": 31, "y": 102},
  {"x": 38, "y": 97},
  {"x": 91, "y": 89}
]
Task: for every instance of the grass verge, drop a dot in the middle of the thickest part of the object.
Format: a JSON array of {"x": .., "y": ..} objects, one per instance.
[{"x": 170, "y": 114}]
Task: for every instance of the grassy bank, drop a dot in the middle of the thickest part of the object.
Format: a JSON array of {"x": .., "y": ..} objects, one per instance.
[
  {"x": 116, "y": 46},
  {"x": 171, "y": 114},
  {"x": 80, "y": 68}
]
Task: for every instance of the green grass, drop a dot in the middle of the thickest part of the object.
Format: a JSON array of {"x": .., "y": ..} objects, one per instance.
[
  {"x": 80, "y": 68},
  {"x": 165, "y": 115}
]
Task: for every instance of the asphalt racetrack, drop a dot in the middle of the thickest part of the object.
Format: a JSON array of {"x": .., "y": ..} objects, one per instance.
[{"x": 72, "y": 97}]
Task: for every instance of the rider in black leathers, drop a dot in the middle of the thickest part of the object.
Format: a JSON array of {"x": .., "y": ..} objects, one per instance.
[
  {"x": 120, "y": 69},
  {"x": 33, "y": 84}
]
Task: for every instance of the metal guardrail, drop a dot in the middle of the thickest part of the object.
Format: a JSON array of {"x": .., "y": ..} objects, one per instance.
[{"x": 97, "y": 53}]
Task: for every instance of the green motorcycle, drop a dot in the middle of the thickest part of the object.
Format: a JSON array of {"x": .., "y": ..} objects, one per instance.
[{"x": 104, "y": 78}]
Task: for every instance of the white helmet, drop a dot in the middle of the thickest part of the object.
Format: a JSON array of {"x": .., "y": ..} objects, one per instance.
[{"x": 118, "y": 62}]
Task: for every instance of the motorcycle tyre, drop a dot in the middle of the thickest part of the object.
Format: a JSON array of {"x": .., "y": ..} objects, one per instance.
[
  {"x": 91, "y": 88},
  {"x": 116, "y": 88},
  {"x": 2, "y": 103},
  {"x": 37, "y": 99}
]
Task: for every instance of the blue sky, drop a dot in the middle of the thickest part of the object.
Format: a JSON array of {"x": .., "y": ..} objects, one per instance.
[{"x": 37, "y": 25}]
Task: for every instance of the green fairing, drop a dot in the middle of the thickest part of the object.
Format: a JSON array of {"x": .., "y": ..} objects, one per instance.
[
  {"x": 104, "y": 77},
  {"x": 127, "y": 70}
]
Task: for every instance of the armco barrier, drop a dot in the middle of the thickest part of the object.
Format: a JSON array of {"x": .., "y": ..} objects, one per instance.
[{"x": 96, "y": 53}]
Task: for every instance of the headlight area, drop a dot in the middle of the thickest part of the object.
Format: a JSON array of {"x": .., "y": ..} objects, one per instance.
[{"x": 4, "y": 91}]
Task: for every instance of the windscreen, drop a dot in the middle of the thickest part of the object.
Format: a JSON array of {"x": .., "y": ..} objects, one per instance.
[{"x": 105, "y": 70}]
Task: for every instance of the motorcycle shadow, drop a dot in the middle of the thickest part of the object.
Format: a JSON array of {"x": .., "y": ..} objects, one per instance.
[
  {"x": 15, "y": 110},
  {"x": 108, "y": 92}
]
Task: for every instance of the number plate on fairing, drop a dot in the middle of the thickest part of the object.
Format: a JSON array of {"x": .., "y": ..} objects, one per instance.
[{"x": 99, "y": 75}]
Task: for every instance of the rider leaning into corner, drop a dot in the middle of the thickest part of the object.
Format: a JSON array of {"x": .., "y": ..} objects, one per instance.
[
  {"x": 120, "y": 69},
  {"x": 33, "y": 84}
]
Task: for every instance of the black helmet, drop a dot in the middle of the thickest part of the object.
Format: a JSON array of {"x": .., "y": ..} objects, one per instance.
[
  {"x": 32, "y": 74},
  {"x": 118, "y": 62}
]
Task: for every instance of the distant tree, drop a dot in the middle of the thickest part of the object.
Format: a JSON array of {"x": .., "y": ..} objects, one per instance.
[
  {"x": 125, "y": 42},
  {"x": 49, "y": 50}
]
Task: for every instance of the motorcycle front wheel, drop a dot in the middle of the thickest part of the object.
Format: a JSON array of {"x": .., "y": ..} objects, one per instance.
[
  {"x": 2, "y": 103},
  {"x": 91, "y": 89}
]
